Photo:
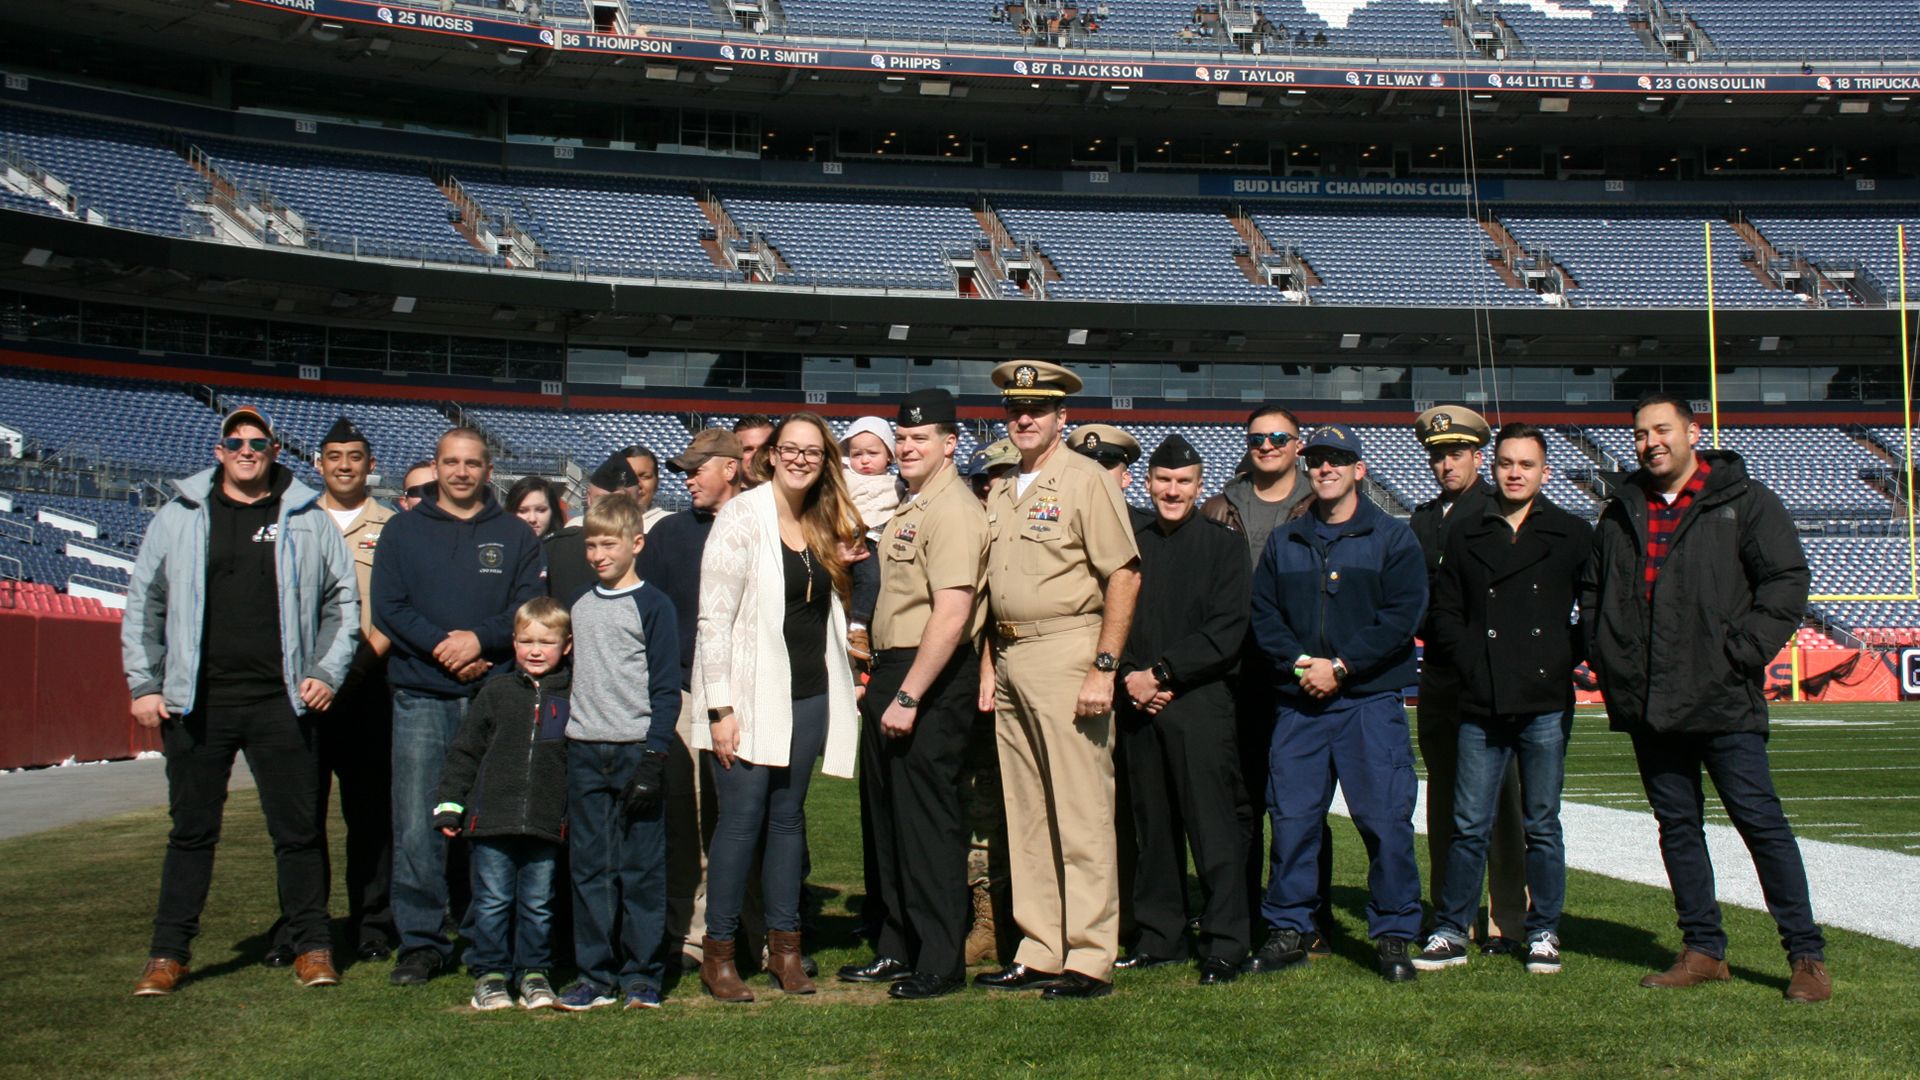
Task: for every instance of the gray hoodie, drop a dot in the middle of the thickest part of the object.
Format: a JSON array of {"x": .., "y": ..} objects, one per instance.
[{"x": 166, "y": 605}]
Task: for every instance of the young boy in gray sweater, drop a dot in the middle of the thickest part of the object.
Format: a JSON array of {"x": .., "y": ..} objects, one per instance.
[{"x": 626, "y": 697}]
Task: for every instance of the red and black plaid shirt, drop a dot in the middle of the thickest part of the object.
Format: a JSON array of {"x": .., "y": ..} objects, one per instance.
[{"x": 1663, "y": 517}]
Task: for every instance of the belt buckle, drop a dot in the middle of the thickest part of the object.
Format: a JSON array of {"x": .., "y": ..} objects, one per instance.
[{"x": 1009, "y": 630}]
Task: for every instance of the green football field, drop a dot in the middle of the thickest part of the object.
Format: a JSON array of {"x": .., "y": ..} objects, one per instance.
[
  {"x": 1849, "y": 773},
  {"x": 75, "y": 907}
]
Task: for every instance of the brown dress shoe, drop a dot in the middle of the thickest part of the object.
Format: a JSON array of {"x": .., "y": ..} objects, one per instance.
[
  {"x": 717, "y": 971},
  {"x": 1810, "y": 981},
  {"x": 1689, "y": 969},
  {"x": 162, "y": 977},
  {"x": 783, "y": 962},
  {"x": 315, "y": 968}
]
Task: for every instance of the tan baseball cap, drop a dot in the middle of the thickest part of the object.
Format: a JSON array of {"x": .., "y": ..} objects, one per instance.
[{"x": 711, "y": 442}]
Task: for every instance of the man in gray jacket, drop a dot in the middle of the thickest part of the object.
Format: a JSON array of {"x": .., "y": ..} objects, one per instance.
[{"x": 241, "y": 621}]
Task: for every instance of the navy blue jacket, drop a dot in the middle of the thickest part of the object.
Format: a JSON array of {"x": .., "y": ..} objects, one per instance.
[
  {"x": 434, "y": 573},
  {"x": 671, "y": 563},
  {"x": 1359, "y": 597}
]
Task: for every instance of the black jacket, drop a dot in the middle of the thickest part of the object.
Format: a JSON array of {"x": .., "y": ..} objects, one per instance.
[
  {"x": 1502, "y": 614},
  {"x": 568, "y": 575},
  {"x": 507, "y": 766},
  {"x": 1730, "y": 594},
  {"x": 1192, "y": 611},
  {"x": 1432, "y": 524}
]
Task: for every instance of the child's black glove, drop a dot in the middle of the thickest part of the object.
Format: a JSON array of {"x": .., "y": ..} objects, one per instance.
[{"x": 647, "y": 786}]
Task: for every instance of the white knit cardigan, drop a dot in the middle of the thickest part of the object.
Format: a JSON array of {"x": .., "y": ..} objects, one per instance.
[{"x": 740, "y": 648}]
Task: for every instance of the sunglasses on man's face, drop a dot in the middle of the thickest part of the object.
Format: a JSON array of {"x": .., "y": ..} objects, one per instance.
[
  {"x": 1277, "y": 439},
  {"x": 234, "y": 443},
  {"x": 420, "y": 491}
]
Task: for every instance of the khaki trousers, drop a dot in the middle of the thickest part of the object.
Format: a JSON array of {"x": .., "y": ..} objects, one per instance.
[
  {"x": 1439, "y": 732},
  {"x": 1057, "y": 776},
  {"x": 690, "y": 820}
]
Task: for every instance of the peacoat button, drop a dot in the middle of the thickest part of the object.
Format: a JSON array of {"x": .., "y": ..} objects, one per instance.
[
  {"x": 1493, "y": 633},
  {"x": 1536, "y": 631},
  {"x": 1489, "y": 593}
]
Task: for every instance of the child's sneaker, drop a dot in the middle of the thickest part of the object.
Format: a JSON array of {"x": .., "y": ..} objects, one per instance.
[
  {"x": 1441, "y": 951},
  {"x": 643, "y": 997},
  {"x": 582, "y": 996},
  {"x": 536, "y": 992},
  {"x": 1543, "y": 955},
  {"x": 490, "y": 992}
]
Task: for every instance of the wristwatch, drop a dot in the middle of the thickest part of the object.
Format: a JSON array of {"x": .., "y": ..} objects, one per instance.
[
  {"x": 1339, "y": 670},
  {"x": 1105, "y": 662},
  {"x": 1162, "y": 674},
  {"x": 906, "y": 700}
]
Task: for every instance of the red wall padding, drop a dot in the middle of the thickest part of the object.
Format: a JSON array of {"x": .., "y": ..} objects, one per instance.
[{"x": 62, "y": 693}]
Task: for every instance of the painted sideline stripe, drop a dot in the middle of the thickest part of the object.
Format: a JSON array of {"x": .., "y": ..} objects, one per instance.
[{"x": 1855, "y": 888}]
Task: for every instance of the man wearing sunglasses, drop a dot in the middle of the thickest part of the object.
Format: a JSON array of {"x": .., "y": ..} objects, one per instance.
[
  {"x": 241, "y": 622},
  {"x": 1454, "y": 437},
  {"x": 1269, "y": 491},
  {"x": 1337, "y": 597},
  {"x": 447, "y": 577}
]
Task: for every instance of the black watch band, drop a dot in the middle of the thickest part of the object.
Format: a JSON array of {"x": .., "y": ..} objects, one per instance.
[
  {"x": 1105, "y": 662},
  {"x": 1163, "y": 674}
]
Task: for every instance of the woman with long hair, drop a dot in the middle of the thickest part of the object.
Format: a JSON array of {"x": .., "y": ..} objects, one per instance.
[
  {"x": 537, "y": 501},
  {"x": 771, "y": 679}
]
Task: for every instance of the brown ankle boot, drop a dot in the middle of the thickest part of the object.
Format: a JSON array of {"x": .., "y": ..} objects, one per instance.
[
  {"x": 783, "y": 962},
  {"x": 718, "y": 973},
  {"x": 1689, "y": 969},
  {"x": 1810, "y": 981},
  {"x": 982, "y": 944}
]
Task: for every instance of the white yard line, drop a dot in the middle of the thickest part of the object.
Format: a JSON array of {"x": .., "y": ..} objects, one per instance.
[{"x": 1854, "y": 888}]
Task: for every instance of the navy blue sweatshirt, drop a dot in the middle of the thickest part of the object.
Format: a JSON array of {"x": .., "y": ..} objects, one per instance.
[
  {"x": 434, "y": 573},
  {"x": 1358, "y": 597},
  {"x": 671, "y": 563}
]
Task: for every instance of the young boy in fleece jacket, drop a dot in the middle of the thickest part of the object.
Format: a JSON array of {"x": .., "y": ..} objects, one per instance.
[
  {"x": 505, "y": 783},
  {"x": 626, "y": 698}
]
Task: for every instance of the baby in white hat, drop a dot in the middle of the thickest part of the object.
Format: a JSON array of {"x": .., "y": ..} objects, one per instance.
[{"x": 868, "y": 447}]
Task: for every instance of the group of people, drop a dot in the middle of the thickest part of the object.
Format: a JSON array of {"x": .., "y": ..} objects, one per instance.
[{"x": 1051, "y": 700}]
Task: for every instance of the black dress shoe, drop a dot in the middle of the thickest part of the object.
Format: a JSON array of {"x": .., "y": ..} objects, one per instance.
[
  {"x": 1502, "y": 946},
  {"x": 279, "y": 956},
  {"x": 374, "y": 949},
  {"x": 1396, "y": 960},
  {"x": 1015, "y": 977},
  {"x": 921, "y": 985},
  {"x": 1074, "y": 986},
  {"x": 1218, "y": 971},
  {"x": 1142, "y": 961},
  {"x": 878, "y": 969},
  {"x": 416, "y": 967},
  {"x": 1283, "y": 949}
]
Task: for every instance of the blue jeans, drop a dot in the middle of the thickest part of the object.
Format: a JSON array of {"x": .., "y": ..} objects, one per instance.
[
  {"x": 1364, "y": 744},
  {"x": 1670, "y": 767},
  {"x": 510, "y": 926},
  {"x": 423, "y": 728},
  {"x": 619, "y": 870},
  {"x": 753, "y": 798},
  {"x": 1485, "y": 748}
]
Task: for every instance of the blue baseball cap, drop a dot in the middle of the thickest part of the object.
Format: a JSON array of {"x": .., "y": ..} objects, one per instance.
[{"x": 1338, "y": 437}]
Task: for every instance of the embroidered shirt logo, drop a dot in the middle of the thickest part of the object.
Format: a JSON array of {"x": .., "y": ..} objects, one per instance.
[
  {"x": 492, "y": 558},
  {"x": 267, "y": 534}
]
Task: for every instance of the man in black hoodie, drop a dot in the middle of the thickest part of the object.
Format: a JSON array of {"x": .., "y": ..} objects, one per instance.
[
  {"x": 1697, "y": 579},
  {"x": 448, "y": 576}
]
